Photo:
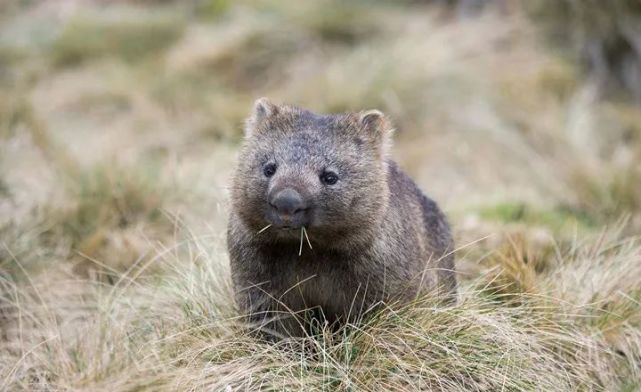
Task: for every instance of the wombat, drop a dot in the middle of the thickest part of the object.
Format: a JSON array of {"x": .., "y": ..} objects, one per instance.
[{"x": 322, "y": 220}]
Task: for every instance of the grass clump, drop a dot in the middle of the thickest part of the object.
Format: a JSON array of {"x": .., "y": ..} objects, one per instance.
[
  {"x": 113, "y": 218},
  {"x": 514, "y": 270},
  {"x": 182, "y": 333},
  {"x": 216, "y": 111},
  {"x": 130, "y": 39},
  {"x": 112, "y": 197},
  {"x": 610, "y": 194},
  {"x": 557, "y": 218},
  {"x": 336, "y": 22},
  {"x": 12, "y": 114},
  {"x": 257, "y": 57}
]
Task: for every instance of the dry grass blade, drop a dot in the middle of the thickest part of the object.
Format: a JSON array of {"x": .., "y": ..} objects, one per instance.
[
  {"x": 307, "y": 238},
  {"x": 264, "y": 228},
  {"x": 300, "y": 249}
]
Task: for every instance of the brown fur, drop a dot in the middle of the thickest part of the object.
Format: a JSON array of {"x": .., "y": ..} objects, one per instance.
[{"x": 375, "y": 236}]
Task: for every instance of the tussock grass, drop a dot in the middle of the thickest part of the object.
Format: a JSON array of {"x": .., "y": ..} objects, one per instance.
[
  {"x": 336, "y": 23},
  {"x": 122, "y": 36},
  {"x": 109, "y": 222},
  {"x": 113, "y": 215},
  {"x": 556, "y": 219},
  {"x": 121, "y": 108},
  {"x": 11, "y": 114},
  {"x": 610, "y": 197},
  {"x": 183, "y": 333}
]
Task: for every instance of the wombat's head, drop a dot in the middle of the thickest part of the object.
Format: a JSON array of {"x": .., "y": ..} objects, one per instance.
[{"x": 326, "y": 173}]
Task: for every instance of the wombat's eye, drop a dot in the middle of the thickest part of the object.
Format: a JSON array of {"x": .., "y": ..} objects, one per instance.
[
  {"x": 269, "y": 169},
  {"x": 328, "y": 178}
]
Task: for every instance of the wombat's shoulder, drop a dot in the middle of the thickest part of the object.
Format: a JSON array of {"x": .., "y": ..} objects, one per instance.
[{"x": 404, "y": 191}]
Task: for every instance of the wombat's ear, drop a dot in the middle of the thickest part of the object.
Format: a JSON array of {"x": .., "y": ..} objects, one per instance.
[
  {"x": 377, "y": 128},
  {"x": 263, "y": 109}
]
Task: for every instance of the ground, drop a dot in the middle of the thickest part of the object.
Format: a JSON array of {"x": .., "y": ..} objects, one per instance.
[{"x": 119, "y": 129}]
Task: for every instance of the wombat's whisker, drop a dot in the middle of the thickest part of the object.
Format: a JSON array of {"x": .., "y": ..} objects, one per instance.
[
  {"x": 300, "y": 250},
  {"x": 307, "y": 238},
  {"x": 264, "y": 228}
]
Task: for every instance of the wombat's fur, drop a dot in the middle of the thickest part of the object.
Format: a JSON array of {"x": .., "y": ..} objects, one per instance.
[{"x": 374, "y": 236}]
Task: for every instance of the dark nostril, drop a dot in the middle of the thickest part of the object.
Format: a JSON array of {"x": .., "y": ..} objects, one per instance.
[{"x": 288, "y": 201}]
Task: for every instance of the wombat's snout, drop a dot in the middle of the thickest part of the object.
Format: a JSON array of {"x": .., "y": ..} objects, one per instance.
[{"x": 290, "y": 207}]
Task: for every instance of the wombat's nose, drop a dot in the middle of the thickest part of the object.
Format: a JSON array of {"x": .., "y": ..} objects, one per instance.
[{"x": 288, "y": 202}]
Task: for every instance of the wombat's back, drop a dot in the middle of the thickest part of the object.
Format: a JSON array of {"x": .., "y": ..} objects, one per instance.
[{"x": 437, "y": 256}]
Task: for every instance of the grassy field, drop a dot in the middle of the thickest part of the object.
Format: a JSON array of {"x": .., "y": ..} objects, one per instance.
[{"x": 119, "y": 128}]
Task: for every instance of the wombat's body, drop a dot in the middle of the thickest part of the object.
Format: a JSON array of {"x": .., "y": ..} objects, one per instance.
[{"x": 373, "y": 235}]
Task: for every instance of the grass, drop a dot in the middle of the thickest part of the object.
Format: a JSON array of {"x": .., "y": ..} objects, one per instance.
[
  {"x": 119, "y": 134},
  {"x": 131, "y": 40},
  {"x": 610, "y": 197},
  {"x": 602, "y": 39},
  {"x": 558, "y": 218},
  {"x": 11, "y": 115},
  {"x": 114, "y": 216},
  {"x": 183, "y": 333}
]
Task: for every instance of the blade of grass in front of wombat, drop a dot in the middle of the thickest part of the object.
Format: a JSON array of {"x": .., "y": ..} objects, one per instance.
[
  {"x": 307, "y": 238},
  {"x": 264, "y": 228},
  {"x": 300, "y": 249}
]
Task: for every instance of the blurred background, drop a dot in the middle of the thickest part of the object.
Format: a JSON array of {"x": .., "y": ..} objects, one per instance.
[
  {"x": 120, "y": 123},
  {"x": 120, "y": 120}
]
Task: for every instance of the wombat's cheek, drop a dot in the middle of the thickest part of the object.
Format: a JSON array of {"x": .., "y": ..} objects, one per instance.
[
  {"x": 326, "y": 215},
  {"x": 248, "y": 201}
]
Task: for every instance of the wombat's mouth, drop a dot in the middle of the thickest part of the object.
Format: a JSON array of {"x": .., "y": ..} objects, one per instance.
[
  {"x": 286, "y": 232},
  {"x": 289, "y": 230},
  {"x": 288, "y": 222}
]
